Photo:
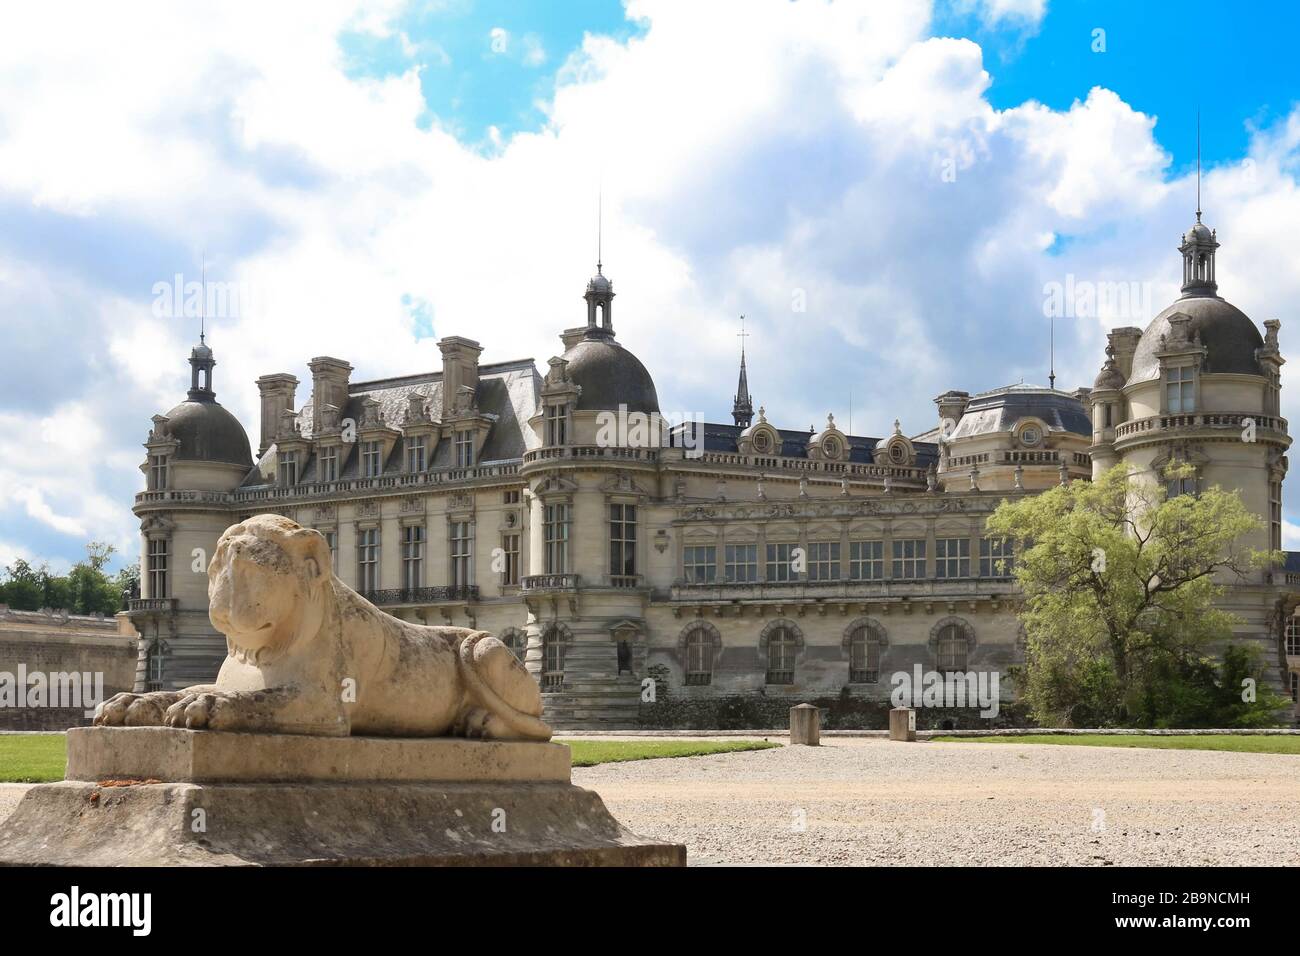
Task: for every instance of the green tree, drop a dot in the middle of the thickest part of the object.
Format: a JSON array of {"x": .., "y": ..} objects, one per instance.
[{"x": 1120, "y": 582}]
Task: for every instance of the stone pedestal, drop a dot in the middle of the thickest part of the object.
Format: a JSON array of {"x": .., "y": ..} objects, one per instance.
[
  {"x": 805, "y": 725},
  {"x": 163, "y": 797},
  {"x": 902, "y": 724}
]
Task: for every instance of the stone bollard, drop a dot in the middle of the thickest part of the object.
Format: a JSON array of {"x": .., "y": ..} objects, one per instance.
[
  {"x": 902, "y": 724},
  {"x": 805, "y": 725}
]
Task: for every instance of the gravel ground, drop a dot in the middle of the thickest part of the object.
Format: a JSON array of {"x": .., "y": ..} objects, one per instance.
[{"x": 873, "y": 802}]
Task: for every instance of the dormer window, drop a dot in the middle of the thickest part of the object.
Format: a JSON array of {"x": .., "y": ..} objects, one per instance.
[
  {"x": 1030, "y": 435},
  {"x": 288, "y": 468},
  {"x": 416, "y": 454},
  {"x": 328, "y": 463},
  {"x": 556, "y": 424},
  {"x": 464, "y": 449},
  {"x": 157, "y": 472},
  {"x": 1180, "y": 386},
  {"x": 371, "y": 459},
  {"x": 763, "y": 443}
]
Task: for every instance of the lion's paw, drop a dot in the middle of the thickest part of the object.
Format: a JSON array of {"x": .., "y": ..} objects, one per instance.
[
  {"x": 192, "y": 712},
  {"x": 134, "y": 710}
]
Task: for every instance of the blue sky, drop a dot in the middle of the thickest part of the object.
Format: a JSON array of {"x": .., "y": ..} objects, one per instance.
[{"x": 379, "y": 174}]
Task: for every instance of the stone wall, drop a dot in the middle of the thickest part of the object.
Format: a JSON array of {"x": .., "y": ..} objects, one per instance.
[{"x": 54, "y": 643}]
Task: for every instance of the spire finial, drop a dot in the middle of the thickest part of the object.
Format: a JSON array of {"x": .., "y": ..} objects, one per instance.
[
  {"x": 600, "y": 224},
  {"x": 742, "y": 408},
  {"x": 1051, "y": 351},
  {"x": 203, "y": 300},
  {"x": 1198, "y": 165}
]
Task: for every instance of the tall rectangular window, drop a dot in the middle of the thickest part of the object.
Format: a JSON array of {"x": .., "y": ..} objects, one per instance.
[
  {"x": 413, "y": 556},
  {"x": 416, "y": 460},
  {"x": 332, "y": 542},
  {"x": 909, "y": 558},
  {"x": 157, "y": 472},
  {"x": 866, "y": 560},
  {"x": 510, "y": 497},
  {"x": 464, "y": 449},
  {"x": 368, "y": 560},
  {"x": 556, "y": 421},
  {"x": 158, "y": 559},
  {"x": 700, "y": 563},
  {"x": 328, "y": 462},
  {"x": 1275, "y": 515},
  {"x": 1179, "y": 383},
  {"x": 622, "y": 539},
  {"x": 288, "y": 468},
  {"x": 371, "y": 459},
  {"x": 555, "y": 528},
  {"x": 1293, "y": 636},
  {"x": 952, "y": 558},
  {"x": 742, "y": 563},
  {"x": 996, "y": 558},
  {"x": 824, "y": 561},
  {"x": 778, "y": 562},
  {"x": 510, "y": 555},
  {"x": 462, "y": 553}
]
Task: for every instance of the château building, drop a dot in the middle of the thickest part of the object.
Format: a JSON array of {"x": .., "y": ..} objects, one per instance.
[{"x": 708, "y": 562}]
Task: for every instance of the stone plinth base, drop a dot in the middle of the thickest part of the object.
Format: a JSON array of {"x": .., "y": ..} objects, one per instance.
[
  {"x": 336, "y": 801},
  {"x": 902, "y": 724}
]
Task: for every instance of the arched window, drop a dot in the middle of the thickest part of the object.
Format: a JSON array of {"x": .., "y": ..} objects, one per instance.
[
  {"x": 516, "y": 640},
  {"x": 864, "y": 656},
  {"x": 699, "y": 644},
  {"x": 951, "y": 648},
  {"x": 554, "y": 639},
  {"x": 781, "y": 649},
  {"x": 157, "y": 657}
]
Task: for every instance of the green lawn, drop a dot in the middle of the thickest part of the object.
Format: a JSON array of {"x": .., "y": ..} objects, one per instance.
[
  {"x": 38, "y": 758},
  {"x": 587, "y": 753},
  {"x": 33, "y": 758},
  {"x": 1255, "y": 744}
]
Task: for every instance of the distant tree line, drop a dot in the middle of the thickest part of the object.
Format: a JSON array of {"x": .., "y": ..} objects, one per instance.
[{"x": 86, "y": 588}]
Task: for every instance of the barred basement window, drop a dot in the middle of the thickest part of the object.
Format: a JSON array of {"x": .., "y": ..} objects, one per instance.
[
  {"x": 781, "y": 650},
  {"x": 368, "y": 560},
  {"x": 517, "y": 641},
  {"x": 156, "y": 661},
  {"x": 1293, "y": 636},
  {"x": 996, "y": 558},
  {"x": 952, "y": 648},
  {"x": 413, "y": 556},
  {"x": 700, "y": 564},
  {"x": 699, "y": 658},
  {"x": 864, "y": 657},
  {"x": 742, "y": 563},
  {"x": 909, "y": 558},
  {"x": 824, "y": 561},
  {"x": 952, "y": 558},
  {"x": 552, "y": 659},
  {"x": 866, "y": 560},
  {"x": 157, "y": 567}
]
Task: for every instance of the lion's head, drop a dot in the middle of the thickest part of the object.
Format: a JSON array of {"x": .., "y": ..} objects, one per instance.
[{"x": 265, "y": 581}]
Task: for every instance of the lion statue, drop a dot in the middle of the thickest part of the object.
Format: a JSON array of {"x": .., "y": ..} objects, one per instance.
[{"x": 308, "y": 655}]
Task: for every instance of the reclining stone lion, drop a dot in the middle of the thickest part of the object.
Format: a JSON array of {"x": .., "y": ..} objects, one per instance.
[{"x": 308, "y": 655}]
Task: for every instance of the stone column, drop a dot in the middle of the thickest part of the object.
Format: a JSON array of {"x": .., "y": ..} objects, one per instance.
[{"x": 805, "y": 725}]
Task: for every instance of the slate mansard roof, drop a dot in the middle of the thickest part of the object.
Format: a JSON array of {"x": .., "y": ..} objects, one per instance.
[
  {"x": 1001, "y": 409},
  {"x": 794, "y": 444}
]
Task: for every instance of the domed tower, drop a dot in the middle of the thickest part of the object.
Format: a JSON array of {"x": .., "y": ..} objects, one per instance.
[
  {"x": 1201, "y": 385},
  {"x": 197, "y": 453},
  {"x": 590, "y": 481}
]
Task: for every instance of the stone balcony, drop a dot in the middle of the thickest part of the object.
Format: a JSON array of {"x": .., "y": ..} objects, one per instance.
[
  {"x": 918, "y": 590},
  {"x": 417, "y": 597},
  {"x": 540, "y": 583},
  {"x": 1200, "y": 425}
]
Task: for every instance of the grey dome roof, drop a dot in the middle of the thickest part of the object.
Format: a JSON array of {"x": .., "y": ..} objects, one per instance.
[
  {"x": 1199, "y": 230},
  {"x": 610, "y": 376},
  {"x": 1229, "y": 336},
  {"x": 599, "y": 283},
  {"x": 207, "y": 432},
  {"x": 1002, "y": 408}
]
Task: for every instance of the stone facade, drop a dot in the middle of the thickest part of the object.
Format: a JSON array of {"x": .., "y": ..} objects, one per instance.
[{"x": 628, "y": 559}]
